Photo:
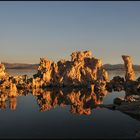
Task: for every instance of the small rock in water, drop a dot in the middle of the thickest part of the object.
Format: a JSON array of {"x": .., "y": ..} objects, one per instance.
[{"x": 118, "y": 100}]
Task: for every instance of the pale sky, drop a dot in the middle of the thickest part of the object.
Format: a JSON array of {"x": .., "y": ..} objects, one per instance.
[{"x": 30, "y": 30}]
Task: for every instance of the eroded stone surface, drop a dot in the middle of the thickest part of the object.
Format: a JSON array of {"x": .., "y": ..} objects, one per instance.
[
  {"x": 116, "y": 84},
  {"x": 82, "y": 70},
  {"x": 130, "y": 74},
  {"x": 3, "y": 74}
]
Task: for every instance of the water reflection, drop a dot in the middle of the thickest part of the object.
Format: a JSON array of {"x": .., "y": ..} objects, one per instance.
[
  {"x": 12, "y": 103},
  {"x": 7, "y": 100},
  {"x": 79, "y": 102}
]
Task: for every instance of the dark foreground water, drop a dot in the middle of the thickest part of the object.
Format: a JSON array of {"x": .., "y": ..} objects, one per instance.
[{"x": 26, "y": 121}]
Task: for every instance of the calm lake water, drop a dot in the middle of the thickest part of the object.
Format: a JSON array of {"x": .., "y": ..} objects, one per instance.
[{"x": 26, "y": 121}]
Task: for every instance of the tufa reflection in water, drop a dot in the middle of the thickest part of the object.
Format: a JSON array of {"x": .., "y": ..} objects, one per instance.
[
  {"x": 81, "y": 101},
  {"x": 6, "y": 98}
]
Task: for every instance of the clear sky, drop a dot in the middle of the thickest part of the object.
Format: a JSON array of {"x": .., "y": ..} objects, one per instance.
[{"x": 30, "y": 30}]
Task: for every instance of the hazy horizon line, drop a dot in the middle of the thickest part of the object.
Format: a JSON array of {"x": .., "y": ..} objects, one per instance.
[{"x": 57, "y": 61}]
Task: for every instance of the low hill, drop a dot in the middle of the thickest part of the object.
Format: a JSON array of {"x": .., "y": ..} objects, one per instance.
[
  {"x": 20, "y": 66},
  {"x": 119, "y": 67}
]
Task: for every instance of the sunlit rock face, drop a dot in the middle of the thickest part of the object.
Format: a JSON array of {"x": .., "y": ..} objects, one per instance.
[
  {"x": 82, "y": 70},
  {"x": 11, "y": 82},
  {"x": 130, "y": 74},
  {"x": 3, "y": 74},
  {"x": 19, "y": 81},
  {"x": 3, "y": 97},
  {"x": 4, "y": 77},
  {"x": 47, "y": 74},
  {"x": 131, "y": 85}
]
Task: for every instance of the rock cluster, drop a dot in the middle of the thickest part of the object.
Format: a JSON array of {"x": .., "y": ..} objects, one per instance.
[
  {"x": 82, "y": 70},
  {"x": 129, "y": 84},
  {"x": 9, "y": 85},
  {"x": 129, "y": 104},
  {"x": 116, "y": 84}
]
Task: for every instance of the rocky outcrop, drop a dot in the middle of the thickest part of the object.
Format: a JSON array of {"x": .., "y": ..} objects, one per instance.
[
  {"x": 116, "y": 84},
  {"x": 132, "y": 87},
  {"x": 82, "y": 70},
  {"x": 3, "y": 97},
  {"x": 19, "y": 81},
  {"x": 132, "y": 108},
  {"x": 3, "y": 73},
  {"x": 118, "y": 100},
  {"x": 4, "y": 77},
  {"x": 130, "y": 74}
]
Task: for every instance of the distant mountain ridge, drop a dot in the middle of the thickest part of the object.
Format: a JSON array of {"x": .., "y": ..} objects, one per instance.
[
  {"x": 20, "y": 66},
  {"x": 119, "y": 67},
  {"x": 35, "y": 66}
]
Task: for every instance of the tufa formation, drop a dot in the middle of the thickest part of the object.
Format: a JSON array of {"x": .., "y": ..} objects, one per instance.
[
  {"x": 130, "y": 75},
  {"x": 82, "y": 70}
]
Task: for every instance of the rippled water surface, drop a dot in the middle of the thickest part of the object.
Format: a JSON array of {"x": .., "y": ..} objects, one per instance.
[{"x": 27, "y": 121}]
